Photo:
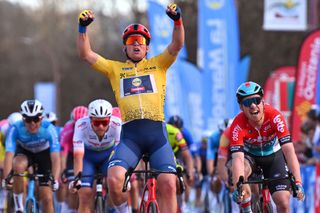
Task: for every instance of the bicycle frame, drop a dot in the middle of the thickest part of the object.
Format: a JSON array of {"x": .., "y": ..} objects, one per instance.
[
  {"x": 150, "y": 189},
  {"x": 149, "y": 202},
  {"x": 30, "y": 203},
  {"x": 30, "y": 196},
  {"x": 99, "y": 201}
]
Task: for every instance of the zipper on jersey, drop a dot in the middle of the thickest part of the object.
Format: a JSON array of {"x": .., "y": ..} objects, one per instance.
[
  {"x": 139, "y": 95},
  {"x": 260, "y": 140}
]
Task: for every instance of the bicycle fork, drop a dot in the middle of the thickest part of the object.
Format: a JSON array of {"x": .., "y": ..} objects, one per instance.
[
  {"x": 30, "y": 196},
  {"x": 266, "y": 198},
  {"x": 149, "y": 194}
]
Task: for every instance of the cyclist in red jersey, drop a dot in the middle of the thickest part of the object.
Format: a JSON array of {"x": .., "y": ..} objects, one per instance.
[{"x": 260, "y": 137}]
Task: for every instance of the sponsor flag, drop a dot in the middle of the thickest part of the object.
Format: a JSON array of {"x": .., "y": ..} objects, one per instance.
[
  {"x": 161, "y": 27},
  {"x": 307, "y": 81},
  {"x": 285, "y": 15},
  {"x": 218, "y": 57},
  {"x": 279, "y": 90},
  {"x": 179, "y": 89}
]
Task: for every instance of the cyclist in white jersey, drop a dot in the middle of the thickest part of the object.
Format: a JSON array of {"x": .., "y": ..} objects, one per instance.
[{"x": 95, "y": 137}]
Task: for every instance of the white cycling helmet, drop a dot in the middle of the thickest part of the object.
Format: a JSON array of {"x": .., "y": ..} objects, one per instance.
[
  {"x": 31, "y": 108},
  {"x": 51, "y": 117},
  {"x": 100, "y": 109},
  {"x": 14, "y": 117}
]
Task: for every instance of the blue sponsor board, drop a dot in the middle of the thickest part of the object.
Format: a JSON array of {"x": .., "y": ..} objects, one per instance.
[{"x": 218, "y": 56}]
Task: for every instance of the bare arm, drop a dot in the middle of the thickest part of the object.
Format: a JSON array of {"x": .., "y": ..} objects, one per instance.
[
  {"x": 178, "y": 34},
  {"x": 77, "y": 164},
  {"x": 84, "y": 48},
  {"x": 292, "y": 160},
  {"x": 237, "y": 166},
  {"x": 63, "y": 162},
  {"x": 187, "y": 159},
  {"x": 210, "y": 165},
  {"x": 222, "y": 170},
  {"x": 8, "y": 163},
  {"x": 55, "y": 161},
  {"x": 177, "y": 40},
  {"x": 83, "y": 42}
]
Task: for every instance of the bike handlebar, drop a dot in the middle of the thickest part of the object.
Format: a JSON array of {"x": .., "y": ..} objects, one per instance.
[{"x": 290, "y": 177}]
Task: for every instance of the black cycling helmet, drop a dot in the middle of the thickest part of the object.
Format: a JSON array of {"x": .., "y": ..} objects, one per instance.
[{"x": 176, "y": 121}]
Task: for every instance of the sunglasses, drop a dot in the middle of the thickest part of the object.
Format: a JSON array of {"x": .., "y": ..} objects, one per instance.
[
  {"x": 248, "y": 102},
  {"x": 97, "y": 123},
  {"x": 35, "y": 119},
  {"x": 132, "y": 39}
]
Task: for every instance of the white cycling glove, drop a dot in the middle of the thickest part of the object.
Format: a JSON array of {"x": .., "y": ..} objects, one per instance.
[
  {"x": 74, "y": 186},
  {"x": 55, "y": 185}
]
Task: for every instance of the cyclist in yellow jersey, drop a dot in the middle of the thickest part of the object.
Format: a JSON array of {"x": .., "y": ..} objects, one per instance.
[
  {"x": 139, "y": 85},
  {"x": 180, "y": 149}
]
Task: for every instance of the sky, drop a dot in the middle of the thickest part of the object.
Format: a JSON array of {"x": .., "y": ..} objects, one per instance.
[{"x": 122, "y": 5}]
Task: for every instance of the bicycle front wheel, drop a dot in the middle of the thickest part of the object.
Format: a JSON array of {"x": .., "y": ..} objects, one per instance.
[
  {"x": 30, "y": 207},
  {"x": 153, "y": 208},
  {"x": 269, "y": 208},
  {"x": 99, "y": 205}
]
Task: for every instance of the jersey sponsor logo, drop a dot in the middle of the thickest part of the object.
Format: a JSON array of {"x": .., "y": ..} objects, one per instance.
[
  {"x": 150, "y": 68},
  {"x": 126, "y": 68},
  {"x": 285, "y": 139},
  {"x": 82, "y": 124},
  {"x": 113, "y": 163},
  {"x": 34, "y": 144},
  {"x": 281, "y": 187},
  {"x": 235, "y": 133},
  {"x": 92, "y": 137},
  {"x": 179, "y": 136},
  {"x": 116, "y": 123},
  {"x": 279, "y": 122},
  {"x": 77, "y": 142},
  {"x": 136, "y": 82},
  {"x": 267, "y": 127},
  {"x": 236, "y": 148},
  {"x": 137, "y": 85}
]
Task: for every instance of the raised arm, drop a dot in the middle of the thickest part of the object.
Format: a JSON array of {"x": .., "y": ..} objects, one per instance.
[
  {"x": 83, "y": 42},
  {"x": 178, "y": 35}
]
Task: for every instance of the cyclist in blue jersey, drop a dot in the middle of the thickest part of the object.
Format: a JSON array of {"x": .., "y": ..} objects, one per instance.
[
  {"x": 213, "y": 146},
  {"x": 33, "y": 141}
]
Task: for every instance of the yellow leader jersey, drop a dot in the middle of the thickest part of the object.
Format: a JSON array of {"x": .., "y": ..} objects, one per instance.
[
  {"x": 176, "y": 139},
  {"x": 139, "y": 88}
]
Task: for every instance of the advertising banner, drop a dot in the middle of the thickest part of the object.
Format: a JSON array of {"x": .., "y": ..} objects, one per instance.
[
  {"x": 307, "y": 81},
  {"x": 161, "y": 27},
  {"x": 218, "y": 57},
  {"x": 279, "y": 90},
  {"x": 285, "y": 15},
  {"x": 45, "y": 92}
]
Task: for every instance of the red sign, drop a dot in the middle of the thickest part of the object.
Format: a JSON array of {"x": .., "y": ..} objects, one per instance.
[{"x": 306, "y": 81}]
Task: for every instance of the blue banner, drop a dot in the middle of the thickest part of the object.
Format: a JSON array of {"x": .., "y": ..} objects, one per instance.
[
  {"x": 183, "y": 94},
  {"x": 219, "y": 59},
  {"x": 191, "y": 79},
  {"x": 45, "y": 92},
  {"x": 308, "y": 175},
  {"x": 161, "y": 27},
  {"x": 318, "y": 84}
]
